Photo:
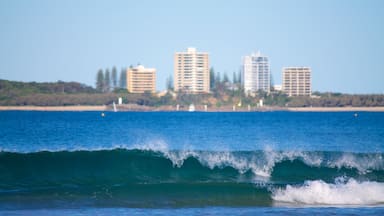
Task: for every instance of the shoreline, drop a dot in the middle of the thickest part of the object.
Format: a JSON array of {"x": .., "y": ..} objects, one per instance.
[
  {"x": 335, "y": 109},
  {"x": 138, "y": 108},
  {"x": 53, "y": 108}
]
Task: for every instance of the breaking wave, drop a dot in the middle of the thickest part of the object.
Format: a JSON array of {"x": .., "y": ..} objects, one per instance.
[{"x": 155, "y": 176}]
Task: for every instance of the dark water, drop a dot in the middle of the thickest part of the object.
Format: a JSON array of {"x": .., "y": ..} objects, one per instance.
[{"x": 191, "y": 163}]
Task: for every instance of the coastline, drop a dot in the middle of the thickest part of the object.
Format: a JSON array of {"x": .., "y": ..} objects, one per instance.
[
  {"x": 53, "y": 108},
  {"x": 138, "y": 108},
  {"x": 336, "y": 109}
]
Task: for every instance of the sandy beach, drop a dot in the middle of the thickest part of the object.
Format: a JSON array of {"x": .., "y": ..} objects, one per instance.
[
  {"x": 336, "y": 109},
  {"x": 134, "y": 107},
  {"x": 54, "y": 108}
]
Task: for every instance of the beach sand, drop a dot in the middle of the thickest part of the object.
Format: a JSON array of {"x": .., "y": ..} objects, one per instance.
[
  {"x": 54, "y": 108},
  {"x": 134, "y": 107},
  {"x": 336, "y": 109}
]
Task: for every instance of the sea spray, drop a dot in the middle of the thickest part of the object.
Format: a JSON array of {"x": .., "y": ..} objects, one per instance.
[
  {"x": 359, "y": 161},
  {"x": 262, "y": 163}
]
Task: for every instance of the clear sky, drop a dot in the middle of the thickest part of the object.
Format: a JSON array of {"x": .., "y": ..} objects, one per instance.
[{"x": 48, "y": 40}]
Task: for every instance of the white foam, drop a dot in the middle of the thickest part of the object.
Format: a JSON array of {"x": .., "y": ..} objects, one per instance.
[
  {"x": 363, "y": 163},
  {"x": 222, "y": 159},
  {"x": 153, "y": 145},
  {"x": 272, "y": 157},
  {"x": 318, "y": 192},
  {"x": 177, "y": 157},
  {"x": 210, "y": 159},
  {"x": 262, "y": 165}
]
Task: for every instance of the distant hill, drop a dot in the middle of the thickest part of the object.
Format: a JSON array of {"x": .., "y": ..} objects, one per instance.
[
  {"x": 22, "y": 88},
  {"x": 50, "y": 94},
  {"x": 13, "y": 93}
]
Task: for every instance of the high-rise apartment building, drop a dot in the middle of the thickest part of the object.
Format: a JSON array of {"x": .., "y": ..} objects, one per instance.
[
  {"x": 191, "y": 71},
  {"x": 256, "y": 73},
  {"x": 297, "y": 81},
  {"x": 140, "y": 79}
]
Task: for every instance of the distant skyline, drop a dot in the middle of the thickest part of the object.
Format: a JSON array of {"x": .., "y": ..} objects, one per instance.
[{"x": 50, "y": 40}]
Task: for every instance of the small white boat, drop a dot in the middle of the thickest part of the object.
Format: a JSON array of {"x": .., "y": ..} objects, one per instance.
[
  {"x": 114, "y": 107},
  {"x": 191, "y": 108}
]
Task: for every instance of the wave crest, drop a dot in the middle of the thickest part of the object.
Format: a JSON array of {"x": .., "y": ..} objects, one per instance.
[{"x": 262, "y": 163}]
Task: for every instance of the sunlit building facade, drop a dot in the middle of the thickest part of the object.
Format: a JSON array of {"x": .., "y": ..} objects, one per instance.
[
  {"x": 141, "y": 79},
  {"x": 191, "y": 71},
  {"x": 256, "y": 73},
  {"x": 297, "y": 81}
]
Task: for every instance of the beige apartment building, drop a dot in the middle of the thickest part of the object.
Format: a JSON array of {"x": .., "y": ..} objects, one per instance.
[
  {"x": 297, "y": 81},
  {"x": 191, "y": 71},
  {"x": 140, "y": 79}
]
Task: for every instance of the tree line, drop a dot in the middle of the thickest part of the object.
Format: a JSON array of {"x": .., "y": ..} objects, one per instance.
[
  {"x": 225, "y": 92},
  {"x": 107, "y": 81},
  {"x": 216, "y": 80}
]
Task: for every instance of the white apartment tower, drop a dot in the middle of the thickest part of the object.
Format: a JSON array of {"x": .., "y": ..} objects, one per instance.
[
  {"x": 191, "y": 71},
  {"x": 297, "y": 81},
  {"x": 256, "y": 73}
]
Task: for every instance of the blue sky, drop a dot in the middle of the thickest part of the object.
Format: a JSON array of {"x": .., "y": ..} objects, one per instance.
[{"x": 341, "y": 40}]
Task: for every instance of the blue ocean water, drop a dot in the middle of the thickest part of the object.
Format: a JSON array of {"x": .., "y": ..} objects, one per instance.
[{"x": 172, "y": 163}]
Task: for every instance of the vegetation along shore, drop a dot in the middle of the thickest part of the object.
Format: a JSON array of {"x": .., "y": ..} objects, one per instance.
[{"x": 225, "y": 96}]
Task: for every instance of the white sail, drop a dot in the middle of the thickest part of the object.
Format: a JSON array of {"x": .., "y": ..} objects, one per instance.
[{"x": 114, "y": 107}]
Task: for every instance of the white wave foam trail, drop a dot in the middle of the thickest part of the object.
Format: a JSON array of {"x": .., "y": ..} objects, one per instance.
[{"x": 319, "y": 192}]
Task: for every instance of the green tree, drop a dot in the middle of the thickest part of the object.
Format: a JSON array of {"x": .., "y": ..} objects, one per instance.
[
  {"x": 107, "y": 81},
  {"x": 239, "y": 76},
  {"x": 100, "y": 80},
  {"x": 123, "y": 78},
  {"x": 212, "y": 78},
  {"x": 234, "y": 78},
  {"x": 225, "y": 79},
  {"x": 114, "y": 77},
  {"x": 217, "y": 78},
  {"x": 169, "y": 83}
]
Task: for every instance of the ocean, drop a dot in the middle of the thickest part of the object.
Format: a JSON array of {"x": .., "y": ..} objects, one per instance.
[{"x": 191, "y": 163}]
